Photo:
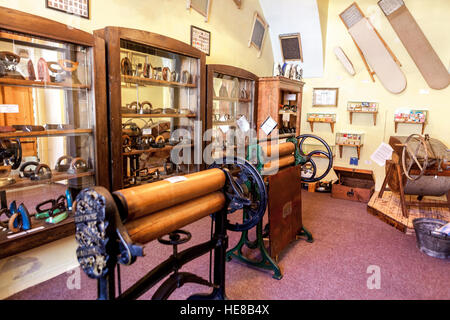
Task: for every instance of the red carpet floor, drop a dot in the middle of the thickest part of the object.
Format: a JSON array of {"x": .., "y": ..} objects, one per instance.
[{"x": 348, "y": 241}]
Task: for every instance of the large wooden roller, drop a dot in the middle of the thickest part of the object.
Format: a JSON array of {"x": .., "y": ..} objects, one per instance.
[
  {"x": 277, "y": 156},
  {"x": 278, "y": 150},
  {"x": 148, "y": 198},
  {"x": 159, "y": 223},
  {"x": 276, "y": 165}
]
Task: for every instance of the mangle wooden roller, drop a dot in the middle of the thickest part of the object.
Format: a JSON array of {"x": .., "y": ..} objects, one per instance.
[{"x": 277, "y": 156}]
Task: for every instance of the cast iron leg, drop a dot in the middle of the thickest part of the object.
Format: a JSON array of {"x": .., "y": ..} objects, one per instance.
[{"x": 220, "y": 252}]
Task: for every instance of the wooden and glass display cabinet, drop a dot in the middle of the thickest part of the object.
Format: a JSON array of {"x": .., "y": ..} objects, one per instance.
[
  {"x": 280, "y": 98},
  {"x": 52, "y": 128},
  {"x": 230, "y": 108},
  {"x": 156, "y": 91}
]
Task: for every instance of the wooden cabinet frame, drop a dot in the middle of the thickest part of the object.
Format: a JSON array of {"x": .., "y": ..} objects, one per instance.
[
  {"x": 271, "y": 95},
  {"x": 112, "y": 37}
]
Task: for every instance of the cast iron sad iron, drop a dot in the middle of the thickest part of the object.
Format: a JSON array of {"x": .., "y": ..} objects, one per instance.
[
  {"x": 144, "y": 142},
  {"x": 78, "y": 165},
  {"x": 55, "y": 210},
  {"x": 160, "y": 142},
  {"x": 63, "y": 163},
  {"x": 20, "y": 219},
  {"x": 125, "y": 67},
  {"x": 131, "y": 129},
  {"x": 8, "y": 64},
  {"x": 63, "y": 71},
  {"x": 41, "y": 172},
  {"x": 10, "y": 153},
  {"x": 27, "y": 169},
  {"x": 145, "y": 108}
]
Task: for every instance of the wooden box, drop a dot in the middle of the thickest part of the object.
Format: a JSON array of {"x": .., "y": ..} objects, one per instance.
[{"x": 353, "y": 184}]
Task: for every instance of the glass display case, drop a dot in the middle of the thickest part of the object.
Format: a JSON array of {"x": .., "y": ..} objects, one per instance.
[
  {"x": 156, "y": 93},
  {"x": 231, "y": 109},
  {"x": 48, "y": 132}
]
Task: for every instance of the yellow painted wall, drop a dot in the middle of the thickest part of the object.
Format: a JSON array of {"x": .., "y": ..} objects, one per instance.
[
  {"x": 432, "y": 17},
  {"x": 230, "y": 29}
]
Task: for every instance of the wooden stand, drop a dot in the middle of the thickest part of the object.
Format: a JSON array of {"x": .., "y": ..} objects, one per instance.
[
  {"x": 393, "y": 168},
  {"x": 388, "y": 209}
]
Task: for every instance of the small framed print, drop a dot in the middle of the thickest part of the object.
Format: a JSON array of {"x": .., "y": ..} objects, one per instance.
[
  {"x": 75, "y": 7},
  {"x": 325, "y": 97},
  {"x": 201, "y": 6},
  {"x": 201, "y": 39},
  {"x": 258, "y": 34}
]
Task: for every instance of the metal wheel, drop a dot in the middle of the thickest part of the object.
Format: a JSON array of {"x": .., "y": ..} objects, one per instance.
[
  {"x": 245, "y": 190},
  {"x": 411, "y": 155},
  {"x": 307, "y": 158}
]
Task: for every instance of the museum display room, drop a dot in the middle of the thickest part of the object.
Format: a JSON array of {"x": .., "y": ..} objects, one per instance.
[{"x": 224, "y": 149}]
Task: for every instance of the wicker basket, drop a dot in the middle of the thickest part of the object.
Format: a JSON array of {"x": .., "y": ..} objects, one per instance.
[{"x": 434, "y": 245}]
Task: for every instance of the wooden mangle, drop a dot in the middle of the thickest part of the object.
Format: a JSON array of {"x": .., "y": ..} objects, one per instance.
[{"x": 420, "y": 166}]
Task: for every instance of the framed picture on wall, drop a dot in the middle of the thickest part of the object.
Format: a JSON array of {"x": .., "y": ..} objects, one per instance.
[
  {"x": 259, "y": 30},
  {"x": 325, "y": 97},
  {"x": 201, "y": 6},
  {"x": 75, "y": 7},
  {"x": 291, "y": 47},
  {"x": 201, "y": 39}
]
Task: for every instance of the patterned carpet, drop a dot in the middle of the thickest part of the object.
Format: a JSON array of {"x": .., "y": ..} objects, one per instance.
[{"x": 354, "y": 256}]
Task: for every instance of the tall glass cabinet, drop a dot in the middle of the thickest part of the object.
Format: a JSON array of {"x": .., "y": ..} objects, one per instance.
[
  {"x": 51, "y": 132},
  {"x": 231, "y": 110},
  {"x": 156, "y": 98}
]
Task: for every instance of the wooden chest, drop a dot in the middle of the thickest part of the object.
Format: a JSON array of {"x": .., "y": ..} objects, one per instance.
[{"x": 353, "y": 184}]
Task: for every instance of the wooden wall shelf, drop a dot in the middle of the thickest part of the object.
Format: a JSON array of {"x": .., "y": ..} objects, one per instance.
[
  {"x": 374, "y": 113},
  {"x": 410, "y": 122},
  {"x": 341, "y": 147},
  {"x": 311, "y": 124}
]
